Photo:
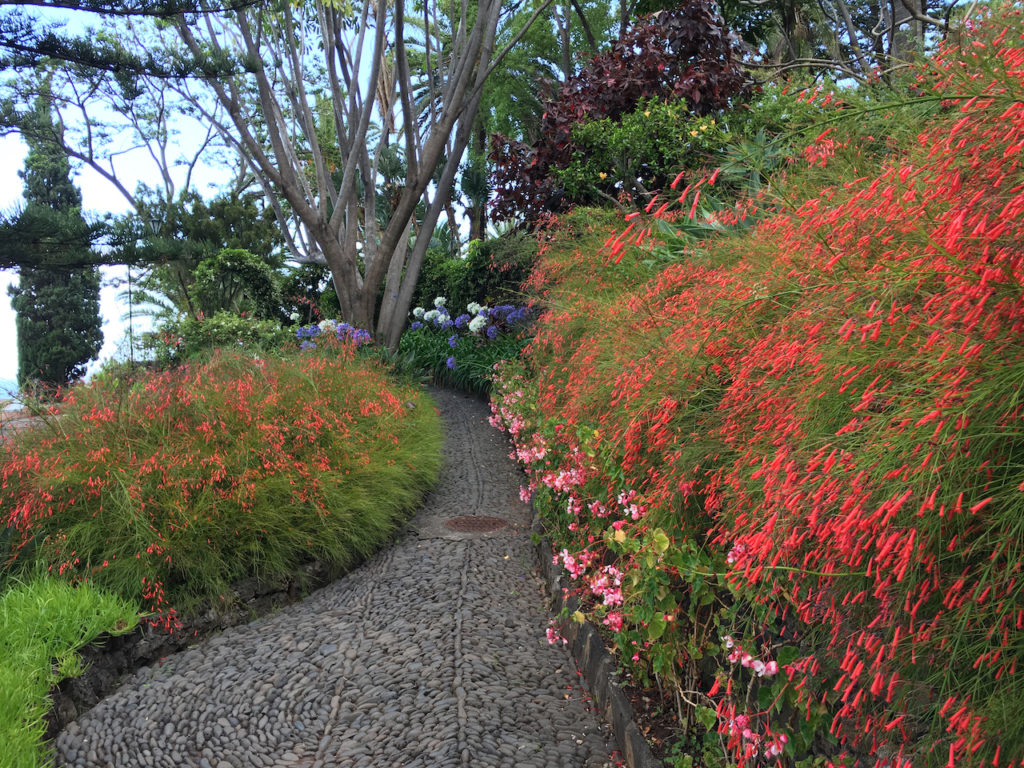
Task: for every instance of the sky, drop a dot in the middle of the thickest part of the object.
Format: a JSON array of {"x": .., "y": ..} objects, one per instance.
[{"x": 98, "y": 197}]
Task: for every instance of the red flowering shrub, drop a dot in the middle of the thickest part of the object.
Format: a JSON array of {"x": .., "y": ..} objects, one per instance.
[
  {"x": 798, "y": 454},
  {"x": 168, "y": 489}
]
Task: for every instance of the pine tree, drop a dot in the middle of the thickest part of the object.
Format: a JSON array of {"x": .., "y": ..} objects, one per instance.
[{"x": 57, "y": 299}]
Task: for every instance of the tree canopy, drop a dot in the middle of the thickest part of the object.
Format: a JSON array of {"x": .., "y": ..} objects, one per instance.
[{"x": 57, "y": 305}]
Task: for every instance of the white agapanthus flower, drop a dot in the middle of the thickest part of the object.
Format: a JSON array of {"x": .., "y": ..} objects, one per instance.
[
  {"x": 440, "y": 301},
  {"x": 473, "y": 308},
  {"x": 418, "y": 313},
  {"x": 431, "y": 316},
  {"x": 327, "y": 326},
  {"x": 295, "y": 317},
  {"x": 477, "y": 324}
]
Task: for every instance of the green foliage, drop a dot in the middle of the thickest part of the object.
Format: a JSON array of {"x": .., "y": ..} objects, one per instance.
[
  {"x": 492, "y": 272},
  {"x": 236, "y": 281},
  {"x": 168, "y": 489},
  {"x": 43, "y": 622},
  {"x": 440, "y": 275},
  {"x": 307, "y": 290},
  {"x": 427, "y": 352},
  {"x": 496, "y": 269},
  {"x": 58, "y": 324},
  {"x": 175, "y": 237},
  {"x": 644, "y": 150},
  {"x": 178, "y": 341}
]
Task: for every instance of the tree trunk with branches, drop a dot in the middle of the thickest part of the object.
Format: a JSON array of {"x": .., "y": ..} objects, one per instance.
[{"x": 323, "y": 172}]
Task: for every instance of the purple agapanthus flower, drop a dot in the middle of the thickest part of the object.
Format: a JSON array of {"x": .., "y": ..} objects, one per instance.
[
  {"x": 450, "y": 362},
  {"x": 416, "y": 326},
  {"x": 453, "y": 340},
  {"x": 492, "y": 332}
]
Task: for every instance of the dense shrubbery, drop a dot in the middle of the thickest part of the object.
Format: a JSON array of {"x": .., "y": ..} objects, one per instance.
[
  {"x": 168, "y": 488},
  {"x": 685, "y": 56},
  {"x": 492, "y": 272},
  {"x": 786, "y": 471},
  {"x": 178, "y": 341}
]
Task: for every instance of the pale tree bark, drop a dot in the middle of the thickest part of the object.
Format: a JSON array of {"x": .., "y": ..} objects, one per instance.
[{"x": 323, "y": 172}]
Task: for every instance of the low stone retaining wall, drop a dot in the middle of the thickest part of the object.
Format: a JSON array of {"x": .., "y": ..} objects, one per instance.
[{"x": 595, "y": 662}]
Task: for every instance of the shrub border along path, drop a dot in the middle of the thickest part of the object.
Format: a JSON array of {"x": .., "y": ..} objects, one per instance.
[{"x": 431, "y": 654}]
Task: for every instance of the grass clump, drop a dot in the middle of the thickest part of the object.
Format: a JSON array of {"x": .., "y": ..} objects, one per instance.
[
  {"x": 167, "y": 488},
  {"x": 43, "y": 622}
]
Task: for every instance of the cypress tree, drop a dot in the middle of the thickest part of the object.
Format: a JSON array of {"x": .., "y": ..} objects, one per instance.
[{"x": 57, "y": 299}]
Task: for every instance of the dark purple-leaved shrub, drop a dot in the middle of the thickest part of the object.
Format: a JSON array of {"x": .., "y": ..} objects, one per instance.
[{"x": 684, "y": 54}]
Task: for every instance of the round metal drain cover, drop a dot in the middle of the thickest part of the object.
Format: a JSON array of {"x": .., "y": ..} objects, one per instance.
[{"x": 475, "y": 524}]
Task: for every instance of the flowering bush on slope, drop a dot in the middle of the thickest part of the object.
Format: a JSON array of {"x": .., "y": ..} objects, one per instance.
[
  {"x": 801, "y": 449},
  {"x": 167, "y": 490}
]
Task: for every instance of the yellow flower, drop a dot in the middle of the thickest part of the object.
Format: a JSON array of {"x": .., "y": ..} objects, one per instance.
[
  {"x": 647, "y": 113},
  {"x": 693, "y": 133},
  {"x": 602, "y": 175},
  {"x": 578, "y": 617},
  {"x": 703, "y": 127}
]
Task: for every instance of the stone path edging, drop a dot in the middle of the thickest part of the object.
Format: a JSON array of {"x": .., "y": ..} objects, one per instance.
[{"x": 596, "y": 664}]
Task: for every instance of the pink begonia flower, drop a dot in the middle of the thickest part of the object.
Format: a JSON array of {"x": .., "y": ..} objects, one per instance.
[
  {"x": 613, "y": 621},
  {"x": 554, "y": 637},
  {"x": 613, "y": 597}
]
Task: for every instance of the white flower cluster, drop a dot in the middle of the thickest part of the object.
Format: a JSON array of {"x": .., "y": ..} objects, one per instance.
[
  {"x": 328, "y": 326},
  {"x": 477, "y": 324},
  {"x": 474, "y": 309},
  {"x": 418, "y": 313},
  {"x": 440, "y": 301},
  {"x": 431, "y": 316}
]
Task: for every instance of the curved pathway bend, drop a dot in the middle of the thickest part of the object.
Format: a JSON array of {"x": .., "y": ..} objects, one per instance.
[{"x": 432, "y": 654}]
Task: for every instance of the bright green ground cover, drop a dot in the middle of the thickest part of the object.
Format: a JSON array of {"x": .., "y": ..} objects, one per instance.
[{"x": 42, "y": 624}]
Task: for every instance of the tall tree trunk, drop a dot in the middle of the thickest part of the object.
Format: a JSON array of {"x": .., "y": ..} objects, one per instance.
[
  {"x": 562, "y": 20},
  {"x": 478, "y": 211}
]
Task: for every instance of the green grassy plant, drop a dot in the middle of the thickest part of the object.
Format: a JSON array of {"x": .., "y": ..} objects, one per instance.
[
  {"x": 167, "y": 489},
  {"x": 43, "y": 623}
]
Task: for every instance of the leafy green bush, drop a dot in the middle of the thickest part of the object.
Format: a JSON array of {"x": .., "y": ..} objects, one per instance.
[
  {"x": 171, "y": 489},
  {"x": 238, "y": 281},
  {"x": 440, "y": 275},
  {"x": 179, "y": 341},
  {"x": 43, "y": 622},
  {"x": 643, "y": 150},
  {"x": 492, "y": 272}
]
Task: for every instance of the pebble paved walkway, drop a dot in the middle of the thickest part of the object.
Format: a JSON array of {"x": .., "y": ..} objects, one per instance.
[{"x": 433, "y": 654}]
